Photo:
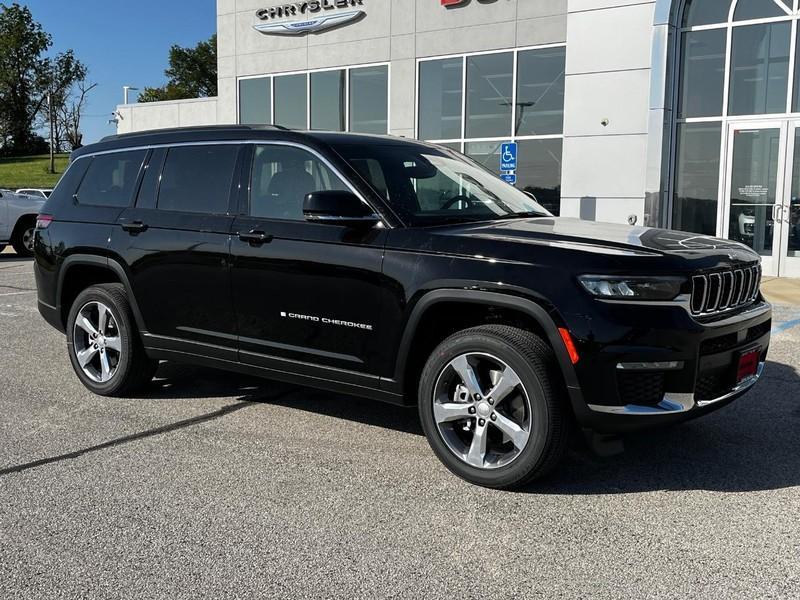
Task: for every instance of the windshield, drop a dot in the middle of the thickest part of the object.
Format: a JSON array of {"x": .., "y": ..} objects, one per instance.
[{"x": 435, "y": 186}]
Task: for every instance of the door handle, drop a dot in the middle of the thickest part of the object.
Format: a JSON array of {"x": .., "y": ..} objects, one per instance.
[
  {"x": 134, "y": 227},
  {"x": 255, "y": 238},
  {"x": 777, "y": 209}
]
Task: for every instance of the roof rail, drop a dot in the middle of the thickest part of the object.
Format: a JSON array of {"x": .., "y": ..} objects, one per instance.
[{"x": 200, "y": 128}]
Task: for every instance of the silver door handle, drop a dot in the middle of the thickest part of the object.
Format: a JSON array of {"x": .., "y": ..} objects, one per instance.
[
  {"x": 777, "y": 209},
  {"x": 787, "y": 214}
]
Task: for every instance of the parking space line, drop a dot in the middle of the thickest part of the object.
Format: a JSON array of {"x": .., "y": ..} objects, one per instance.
[
  {"x": 18, "y": 293},
  {"x": 785, "y": 326}
]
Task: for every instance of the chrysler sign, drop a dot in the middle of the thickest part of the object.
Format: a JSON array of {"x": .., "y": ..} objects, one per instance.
[{"x": 297, "y": 18}]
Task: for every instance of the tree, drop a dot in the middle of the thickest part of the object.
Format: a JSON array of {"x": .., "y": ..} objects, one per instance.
[
  {"x": 22, "y": 68},
  {"x": 68, "y": 119},
  {"x": 192, "y": 73},
  {"x": 31, "y": 84}
]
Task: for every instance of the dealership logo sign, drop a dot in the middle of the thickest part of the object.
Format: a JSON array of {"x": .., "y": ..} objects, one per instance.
[{"x": 317, "y": 15}]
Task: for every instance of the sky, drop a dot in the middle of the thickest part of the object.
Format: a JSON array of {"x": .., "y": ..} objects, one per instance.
[{"x": 122, "y": 42}]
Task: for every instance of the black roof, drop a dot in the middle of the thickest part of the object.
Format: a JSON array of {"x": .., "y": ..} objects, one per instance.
[{"x": 232, "y": 133}]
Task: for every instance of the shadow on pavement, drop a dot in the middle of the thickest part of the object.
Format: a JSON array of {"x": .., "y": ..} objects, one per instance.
[
  {"x": 176, "y": 381},
  {"x": 753, "y": 444}
]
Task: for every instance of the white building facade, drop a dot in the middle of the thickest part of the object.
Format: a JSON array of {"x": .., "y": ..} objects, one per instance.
[{"x": 681, "y": 114}]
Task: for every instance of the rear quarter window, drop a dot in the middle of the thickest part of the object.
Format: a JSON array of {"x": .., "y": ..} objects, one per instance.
[{"x": 110, "y": 179}]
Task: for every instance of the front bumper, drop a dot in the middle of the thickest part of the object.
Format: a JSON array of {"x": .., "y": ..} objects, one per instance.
[{"x": 701, "y": 377}]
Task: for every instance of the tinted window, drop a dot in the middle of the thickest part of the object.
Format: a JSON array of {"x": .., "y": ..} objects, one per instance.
[
  {"x": 705, "y": 12},
  {"x": 291, "y": 101},
  {"x": 440, "y": 96},
  {"x": 110, "y": 179},
  {"x": 198, "y": 179},
  {"x": 327, "y": 100},
  {"x": 255, "y": 101},
  {"x": 281, "y": 178},
  {"x": 697, "y": 178},
  {"x": 703, "y": 73},
  {"x": 759, "y": 69},
  {"x": 540, "y": 91},
  {"x": 369, "y": 100},
  {"x": 152, "y": 174},
  {"x": 490, "y": 80}
]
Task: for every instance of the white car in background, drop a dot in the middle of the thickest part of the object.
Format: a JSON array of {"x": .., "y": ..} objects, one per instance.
[
  {"x": 18, "y": 220},
  {"x": 35, "y": 192}
]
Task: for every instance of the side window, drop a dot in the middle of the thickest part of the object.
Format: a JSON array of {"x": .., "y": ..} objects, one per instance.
[
  {"x": 110, "y": 179},
  {"x": 197, "y": 179},
  {"x": 152, "y": 175},
  {"x": 281, "y": 178}
]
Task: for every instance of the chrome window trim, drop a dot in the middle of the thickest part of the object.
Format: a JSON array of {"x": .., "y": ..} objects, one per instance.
[{"x": 253, "y": 142}]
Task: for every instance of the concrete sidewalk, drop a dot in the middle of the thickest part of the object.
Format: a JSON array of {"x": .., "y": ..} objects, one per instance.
[{"x": 781, "y": 290}]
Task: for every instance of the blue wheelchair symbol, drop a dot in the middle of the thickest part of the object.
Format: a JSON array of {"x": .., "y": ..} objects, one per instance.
[{"x": 508, "y": 157}]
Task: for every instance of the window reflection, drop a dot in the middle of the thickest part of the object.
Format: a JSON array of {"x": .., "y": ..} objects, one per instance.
[
  {"x": 490, "y": 80},
  {"x": 759, "y": 69},
  {"x": 697, "y": 151},
  {"x": 440, "y": 99},
  {"x": 703, "y": 73}
]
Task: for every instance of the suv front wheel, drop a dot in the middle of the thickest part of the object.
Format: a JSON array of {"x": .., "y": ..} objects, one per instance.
[
  {"x": 104, "y": 345},
  {"x": 491, "y": 405}
]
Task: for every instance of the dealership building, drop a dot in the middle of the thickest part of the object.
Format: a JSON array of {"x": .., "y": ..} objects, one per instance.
[{"x": 675, "y": 113}]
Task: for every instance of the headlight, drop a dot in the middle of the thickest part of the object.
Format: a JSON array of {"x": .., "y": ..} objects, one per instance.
[{"x": 632, "y": 288}]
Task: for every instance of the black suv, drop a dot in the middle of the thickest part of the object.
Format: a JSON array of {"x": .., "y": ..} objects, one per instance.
[{"x": 396, "y": 270}]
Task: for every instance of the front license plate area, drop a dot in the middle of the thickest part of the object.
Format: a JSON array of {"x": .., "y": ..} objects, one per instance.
[{"x": 748, "y": 364}]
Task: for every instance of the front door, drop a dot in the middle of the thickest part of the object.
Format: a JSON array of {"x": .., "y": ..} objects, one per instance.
[
  {"x": 305, "y": 294},
  {"x": 762, "y": 193}
]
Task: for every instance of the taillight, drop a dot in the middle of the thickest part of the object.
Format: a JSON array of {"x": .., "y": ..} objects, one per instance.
[{"x": 43, "y": 221}]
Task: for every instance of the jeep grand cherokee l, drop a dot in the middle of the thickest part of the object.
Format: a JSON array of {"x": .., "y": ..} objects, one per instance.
[{"x": 394, "y": 270}]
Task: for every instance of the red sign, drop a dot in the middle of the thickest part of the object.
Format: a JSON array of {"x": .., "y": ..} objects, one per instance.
[{"x": 452, "y": 2}]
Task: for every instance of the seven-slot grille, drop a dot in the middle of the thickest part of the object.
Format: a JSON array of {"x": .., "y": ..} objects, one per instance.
[{"x": 717, "y": 292}]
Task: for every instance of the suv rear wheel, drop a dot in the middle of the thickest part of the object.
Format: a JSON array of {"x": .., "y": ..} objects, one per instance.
[
  {"x": 104, "y": 345},
  {"x": 491, "y": 405},
  {"x": 23, "y": 237}
]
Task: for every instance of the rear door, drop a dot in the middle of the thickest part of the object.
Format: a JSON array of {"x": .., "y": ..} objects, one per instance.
[
  {"x": 176, "y": 241},
  {"x": 307, "y": 295}
]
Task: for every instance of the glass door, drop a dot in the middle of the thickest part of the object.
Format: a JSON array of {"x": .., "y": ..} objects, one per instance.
[
  {"x": 790, "y": 208},
  {"x": 754, "y": 189}
]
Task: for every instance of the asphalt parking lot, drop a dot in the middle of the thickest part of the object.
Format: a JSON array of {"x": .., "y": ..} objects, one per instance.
[{"x": 214, "y": 485}]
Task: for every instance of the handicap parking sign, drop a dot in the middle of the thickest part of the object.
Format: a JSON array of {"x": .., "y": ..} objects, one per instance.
[{"x": 508, "y": 157}]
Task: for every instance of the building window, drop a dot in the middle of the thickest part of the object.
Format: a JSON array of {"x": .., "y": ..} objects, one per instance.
[
  {"x": 291, "y": 101},
  {"x": 347, "y": 99},
  {"x": 327, "y": 100},
  {"x": 441, "y": 91},
  {"x": 475, "y": 103},
  {"x": 736, "y": 65},
  {"x": 255, "y": 101},
  {"x": 369, "y": 100}
]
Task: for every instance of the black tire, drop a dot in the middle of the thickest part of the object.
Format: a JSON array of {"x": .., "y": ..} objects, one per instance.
[
  {"x": 533, "y": 362},
  {"x": 22, "y": 236},
  {"x": 134, "y": 369}
]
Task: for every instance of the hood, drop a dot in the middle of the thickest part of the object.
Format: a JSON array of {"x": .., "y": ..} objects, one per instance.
[{"x": 606, "y": 238}]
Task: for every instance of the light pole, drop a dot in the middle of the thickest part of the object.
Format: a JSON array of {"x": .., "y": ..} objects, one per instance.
[{"x": 125, "y": 90}]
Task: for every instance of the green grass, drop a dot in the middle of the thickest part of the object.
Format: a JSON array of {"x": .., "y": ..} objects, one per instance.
[{"x": 30, "y": 171}]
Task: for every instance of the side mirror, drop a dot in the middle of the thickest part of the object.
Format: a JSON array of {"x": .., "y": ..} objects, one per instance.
[{"x": 336, "y": 207}]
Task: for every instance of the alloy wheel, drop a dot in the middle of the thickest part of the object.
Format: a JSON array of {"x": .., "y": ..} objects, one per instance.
[
  {"x": 96, "y": 342},
  {"x": 482, "y": 410}
]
